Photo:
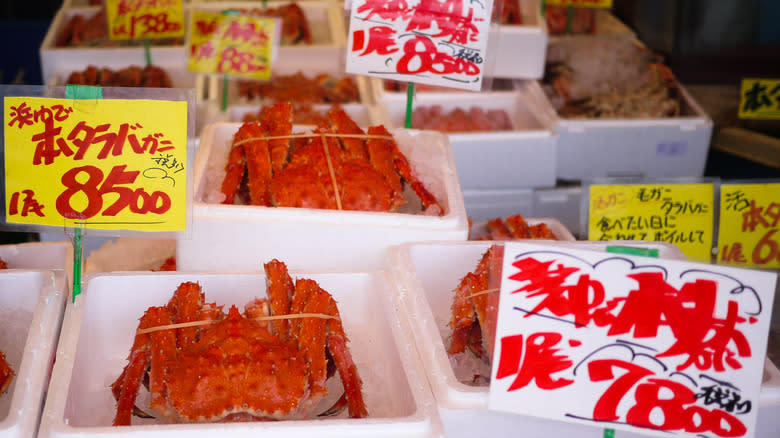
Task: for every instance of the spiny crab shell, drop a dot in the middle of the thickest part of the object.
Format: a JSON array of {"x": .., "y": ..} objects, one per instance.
[{"x": 235, "y": 367}]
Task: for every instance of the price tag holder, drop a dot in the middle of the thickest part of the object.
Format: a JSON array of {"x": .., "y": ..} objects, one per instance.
[
  {"x": 749, "y": 230},
  {"x": 434, "y": 43},
  {"x": 759, "y": 99},
  {"x": 104, "y": 164},
  {"x": 235, "y": 45},
  {"x": 678, "y": 213},
  {"x": 605, "y": 4},
  {"x": 630, "y": 342},
  {"x": 144, "y": 19}
]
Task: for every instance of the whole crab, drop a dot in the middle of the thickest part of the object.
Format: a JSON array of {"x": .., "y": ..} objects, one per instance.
[
  {"x": 327, "y": 170},
  {"x": 235, "y": 367},
  {"x": 475, "y": 307}
]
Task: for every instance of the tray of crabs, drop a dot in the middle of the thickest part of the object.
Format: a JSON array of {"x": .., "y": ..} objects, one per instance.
[{"x": 246, "y": 353}]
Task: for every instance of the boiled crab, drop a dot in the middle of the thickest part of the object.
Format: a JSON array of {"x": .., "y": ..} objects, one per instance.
[
  {"x": 237, "y": 367},
  {"x": 337, "y": 167},
  {"x": 475, "y": 307},
  {"x": 6, "y": 373},
  {"x": 515, "y": 227}
]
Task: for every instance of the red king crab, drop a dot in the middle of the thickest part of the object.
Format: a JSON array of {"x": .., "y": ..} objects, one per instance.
[
  {"x": 354, "y": 172},
  {"x": 205, "y": 366},
  {"x": 515, "y": 227},
  {"x": 6, "y": 373},
  {"x": 475, "y": 307}
]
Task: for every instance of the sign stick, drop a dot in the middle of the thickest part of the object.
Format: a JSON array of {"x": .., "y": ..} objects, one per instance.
[
  {"x": 80, "y": 92},
  {"x": 409, "y": 98},
  {"x": 569, "y": 18},
  {"x": 147, "y": 52}
]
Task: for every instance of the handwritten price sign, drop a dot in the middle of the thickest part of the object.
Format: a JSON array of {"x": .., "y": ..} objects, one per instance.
[
  {"x": 582, "y": 3},
  {"x": 749, "y": 232},
  {"x": 759, "y": 99},
  {"x": 628, "y": 342},
  {"x": 237, "y": 45},
  {"x": 144, "y": 19},
  {"x": 427, "y": 41},
  {"x": 681, "y": 214},
  {"x": 108, "y": 164}
]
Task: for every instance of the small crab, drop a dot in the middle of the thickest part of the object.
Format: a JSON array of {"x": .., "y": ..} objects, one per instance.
[{"x": 239, "y": 367}]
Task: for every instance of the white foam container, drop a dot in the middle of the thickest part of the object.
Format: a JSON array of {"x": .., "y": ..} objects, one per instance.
[
  {"x": 519, "y": 51},
  {"x": 326, "y": 25},
  {"x": 237, "y": 236},
  {"x": 98, "y": 332},
  {"x": 557, "y": 228},
  {"x": 664, "y": 147},
  {"x": 427, "y": 272},
  {"x": 364, "y": 115},
  {"x": 56, "y": 60},
  {"x": 38, "y": 255},
  {"x": 32, "y": 303},
  {"x": 525, "y": 156}
]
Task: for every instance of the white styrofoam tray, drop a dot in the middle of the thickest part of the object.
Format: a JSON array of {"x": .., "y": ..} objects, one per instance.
[
  {"x": 326, "y": 25},
  {"x": 67, "y": 59},
  {"x": 38, "y": 255},
  {"x": 664, "y": 147},
  {"x": 364, "y": 115},
  {"x": 519, "y": 51},
  {"x": 237, "y": 236},
  {"x": 428, "y": 272},
  {"x": 525, "y": 156},
  {"x": 99, "y": 328},
  {"x": 560, "y": 231},
  {"x": 32, "y": 303},
  {"x": 130, "y": 254}
]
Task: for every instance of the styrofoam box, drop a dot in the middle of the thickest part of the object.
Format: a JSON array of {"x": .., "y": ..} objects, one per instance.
[
  {"x": 67, "y": 59},
  {"x": 38, "y": 255},
  {"x": 130, "y": 254},
  {"x": 363, "y": 115},
  {"x": 526, "y": 156},
  {"x": 237, "y": 236},
  {"x": 326, "y": 25},
  {"x": 519, "y": 51},
  {"x": 99, "y": 328},
  {"x": 428, "y": 272},
  {"x": 32, "y": 303},
  {"x": 553, "y": 224},
  {"x": 664, "y": 147}
]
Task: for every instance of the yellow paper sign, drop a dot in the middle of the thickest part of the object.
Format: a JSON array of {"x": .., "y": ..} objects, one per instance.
[
  {"x": 681, "y": 214},
  {"x": 106, "y": 163},
  {"x": 749, "y": 231},
  {"x": 144, "y": 19},
  {"x": 582, "y": 3},
  {"x": 237, "y": 45},
  {"x": 759, "y": 99}
]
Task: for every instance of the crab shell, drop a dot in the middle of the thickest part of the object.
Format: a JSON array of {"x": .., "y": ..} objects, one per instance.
[
  {"x": 234, "y": 367},
  {"x": 475, "y": 313}
]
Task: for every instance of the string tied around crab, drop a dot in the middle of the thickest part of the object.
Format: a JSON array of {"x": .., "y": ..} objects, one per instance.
[
  {"x": 479, "y": 293},
  {"x": 212, "y": 321},
  {"x": 321, "y": 135}
]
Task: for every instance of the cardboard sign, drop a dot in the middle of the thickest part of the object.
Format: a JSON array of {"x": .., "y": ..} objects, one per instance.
[
  {"x": 236, "y": 45},
  {"x": 759, "y": 99},
  {"x": 749, "y": 229},
  {"x": 681, "y": 214},
  {"x": 144, "y": 19},
  {"x": 427, "y": 41},
  {"x": 628, "y": 342},
  {"x": 582, "y": 3},
  {"x": 105, "y": 163}
]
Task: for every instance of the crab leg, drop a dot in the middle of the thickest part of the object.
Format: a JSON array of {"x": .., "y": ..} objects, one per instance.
[
  {"x": 280, "y": 289},
  {"x": 6, "y": 373},
  {"x": 279, "y": 122},
  {"x": 343, "y": 124},
  {"x": 400, "y": 165},
  {"x": 234, "y": 173}
]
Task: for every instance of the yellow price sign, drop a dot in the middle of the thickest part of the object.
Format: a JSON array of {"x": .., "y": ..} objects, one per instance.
[
  {"x": 759, "y": 99},
  {"x": 681, "y": 214},
  {"x": 582, "y": 3},
  {"x": 749, "y": 231},
  {"x": 144, "y": 19},
  {"x": 105, "y": 163},
  {"x": 237, "y": 45}
]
